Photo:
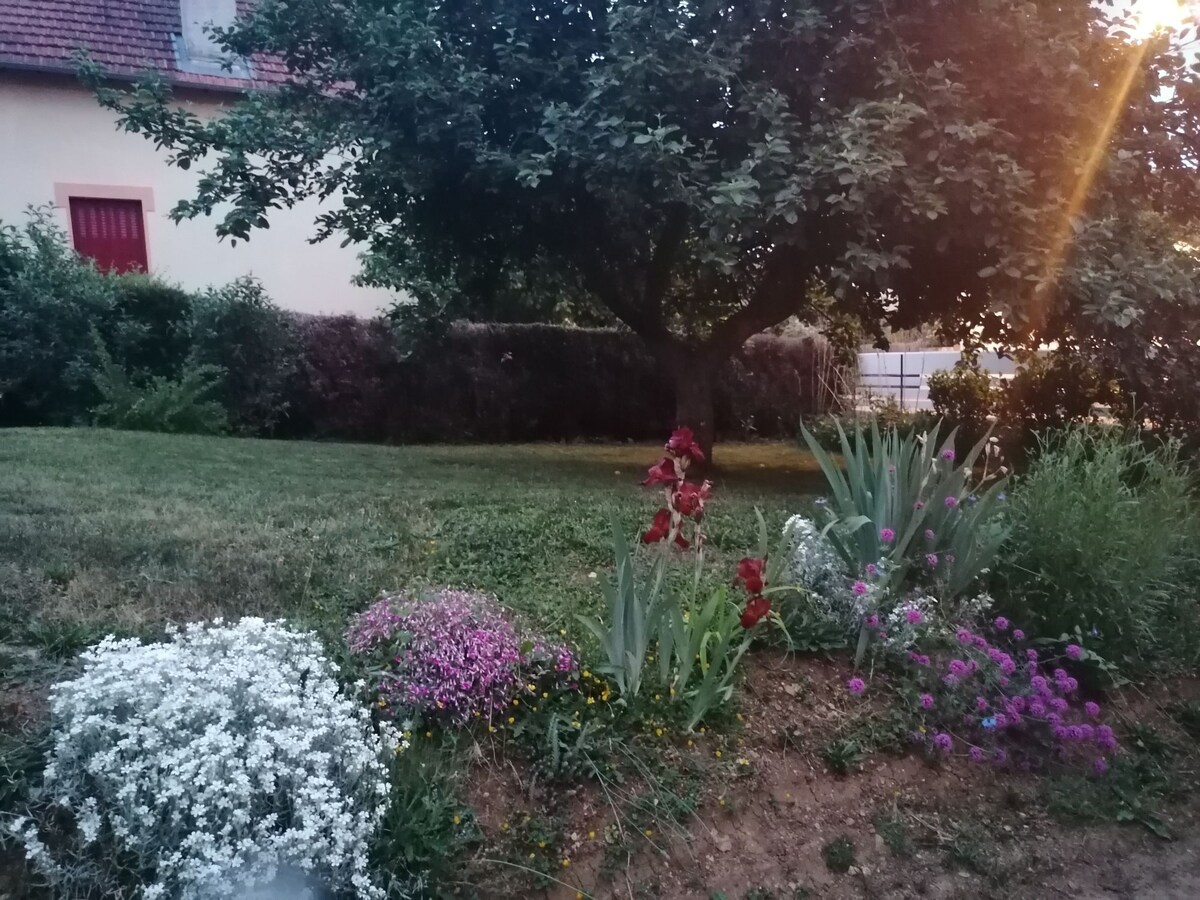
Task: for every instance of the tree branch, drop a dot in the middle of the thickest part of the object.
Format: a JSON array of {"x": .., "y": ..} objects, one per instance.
[
  {"x": 780, "y": 293},
  {"x": 658, "y": 274}
]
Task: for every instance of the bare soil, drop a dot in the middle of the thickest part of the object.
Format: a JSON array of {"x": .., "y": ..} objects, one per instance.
[{"x": 771, "y": 805}]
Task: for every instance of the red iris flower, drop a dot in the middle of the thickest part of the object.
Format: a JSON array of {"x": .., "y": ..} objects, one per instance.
[
  {"x": 659, "y": 528},
  {"x": 689, "y": 499},
  {"x": 756, "y": 609},
  {"x": 750, "y": 572},
  {"x": 683, "y": 443},
  {"x": 663, "y": 473}
]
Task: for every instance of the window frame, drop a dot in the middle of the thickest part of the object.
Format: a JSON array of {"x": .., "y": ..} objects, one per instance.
[{"x": 64, "y": 191}]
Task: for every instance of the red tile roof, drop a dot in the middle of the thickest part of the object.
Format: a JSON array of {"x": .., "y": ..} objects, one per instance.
[{"x": 127, "y": 37}]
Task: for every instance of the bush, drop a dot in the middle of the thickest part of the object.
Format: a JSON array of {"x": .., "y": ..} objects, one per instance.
[
  {"x": 169, "y": 405},
  {"x": 965, "y": 395},
  {"x": 155, "y": 325},
  {"x": 208, "y": 765},
  {"x": 1054, "y": 390},
  {"x": 1104, "y": 536},
  {"x": 50, "y": 300},
  {"x": 239, "y": 330},
  {"x": 1048, "y": 390}
]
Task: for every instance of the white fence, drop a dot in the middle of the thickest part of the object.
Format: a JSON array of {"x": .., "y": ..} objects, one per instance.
[{"x": 904, "y": 376}]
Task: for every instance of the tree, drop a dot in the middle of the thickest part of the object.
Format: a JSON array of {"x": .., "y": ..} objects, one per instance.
[{"x": 697, "y": 168}]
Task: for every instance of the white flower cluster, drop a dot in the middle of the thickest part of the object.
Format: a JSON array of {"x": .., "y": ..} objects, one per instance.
[
  {"x": 211, "y": 765},
  {"x": 812, "y": 563},
  {"x": 908, "y": 620}
]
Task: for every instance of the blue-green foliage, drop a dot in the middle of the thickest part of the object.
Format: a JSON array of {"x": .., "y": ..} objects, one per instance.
[{"x": 893, "y": 490}]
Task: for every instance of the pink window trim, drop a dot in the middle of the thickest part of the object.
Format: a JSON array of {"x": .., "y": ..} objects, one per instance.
[{"x": 65, "y": 190}]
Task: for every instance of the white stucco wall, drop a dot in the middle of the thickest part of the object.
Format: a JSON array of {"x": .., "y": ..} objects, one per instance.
[{"x": 53, "y": 132}]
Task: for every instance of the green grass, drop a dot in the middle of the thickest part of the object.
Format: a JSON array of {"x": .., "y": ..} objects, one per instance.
[{"x": 103, "y": 530}]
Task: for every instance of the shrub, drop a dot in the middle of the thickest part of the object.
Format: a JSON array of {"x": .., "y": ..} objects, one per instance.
[
  {"x": 346, "y": 382},
  {"x": 208, "y": 765},
  {"x": 170, "y": 405},
  {"x": 1053, "y": 390},
  {"x": 965, "y": 395},
  {"x": 449, "y": 656},
  {"x": 50, "y": 300},
  {"x": 238, "y": 329},
  {"x": 1104, "y": 538},
  {"x": 154, "y": 324}
]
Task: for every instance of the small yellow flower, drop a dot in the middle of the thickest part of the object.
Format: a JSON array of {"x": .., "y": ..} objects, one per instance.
[
  {"x": 542, "y": 844},
  {"x": 921, "y": 729},
  {"x": 516, "y": 703},
  {"x": 591, "y": 701},
  {"x": 718, "y": 754},
  {"x": 535, "y": 709},
  {"x": 531, "y": 688},
  {"x": 604, "y": 697},
  {"x": 512, "y": 720},
  {"x": 587, "y": 674},
  {"x": 382, "y": 704},
  {"x": 591, "y": 835},
  {"x": 657, "y": 697},
  {"x": 477, "y": 714},
  {"x": 691, "y": 742},
  {"x": 491, "y": 729},
  {"x": 658, "y": 732},
  {"x": 702, "y": 731},
  {"x": 545, "y": 695},
  {"x": 740, "y": 718},
  {"x": 649, "y": 832},
  {"x": 429, "y": 734},
  {"x": 576, "y": 725},
  {"x": 721, "y": 801},
  {"x": 565, "y": 862},
  {"x": 562, "y": 632},
  {"x": 579, "y": 895},
  {"x": 458, "y": 820},
  {"x": 504, "y": 826},
  {"x": 532, "y": 855}
]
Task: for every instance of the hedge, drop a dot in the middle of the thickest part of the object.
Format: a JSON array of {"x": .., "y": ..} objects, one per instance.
[{"x": 530, "y": 382}]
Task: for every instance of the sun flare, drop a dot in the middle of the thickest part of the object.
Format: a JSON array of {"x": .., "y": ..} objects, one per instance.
[{"x": 1150, "y": 16}]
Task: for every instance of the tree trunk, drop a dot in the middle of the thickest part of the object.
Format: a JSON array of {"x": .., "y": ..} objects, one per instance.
[{"x": 693, "y": 375}]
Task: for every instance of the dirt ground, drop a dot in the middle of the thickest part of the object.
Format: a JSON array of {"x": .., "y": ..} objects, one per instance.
[{"x": 970, "y": 832}]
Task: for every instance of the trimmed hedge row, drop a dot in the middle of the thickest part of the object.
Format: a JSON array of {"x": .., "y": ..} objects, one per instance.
[{"x": 528, "y": 382}]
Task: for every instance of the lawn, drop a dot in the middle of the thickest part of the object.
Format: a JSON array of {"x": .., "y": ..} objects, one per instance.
[
  {"x": 109, "y": 531},
  {"x": 105, "y": 530}
]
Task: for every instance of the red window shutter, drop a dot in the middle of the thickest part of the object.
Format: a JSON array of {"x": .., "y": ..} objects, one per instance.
[{"x": 112, "y": 232}]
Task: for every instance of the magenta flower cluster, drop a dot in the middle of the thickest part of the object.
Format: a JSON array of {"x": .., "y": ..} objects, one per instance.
[
  {"x": 451, "y": 655},
  {"x": 1004, "y": 703}
]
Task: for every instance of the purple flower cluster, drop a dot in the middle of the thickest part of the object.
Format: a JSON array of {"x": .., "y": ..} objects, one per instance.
[
  {"x": 1000, "y": 710},
  {"x": 451, "y": 655}
]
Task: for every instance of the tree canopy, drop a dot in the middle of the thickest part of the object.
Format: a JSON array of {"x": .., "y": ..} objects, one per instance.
[{"x": 700, "y": 169}]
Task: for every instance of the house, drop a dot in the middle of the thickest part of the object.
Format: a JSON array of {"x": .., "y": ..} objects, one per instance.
[{"x": 112, "y": 190}]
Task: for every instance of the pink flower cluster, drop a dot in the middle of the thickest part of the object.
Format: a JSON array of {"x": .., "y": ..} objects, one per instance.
[
  {"x": 451, "y": 655},
  {"x": 1009, "y": 704}
]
